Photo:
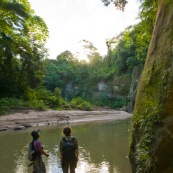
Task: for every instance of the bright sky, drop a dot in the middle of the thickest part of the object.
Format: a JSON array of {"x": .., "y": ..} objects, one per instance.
[{"x": 70, "y": 21}]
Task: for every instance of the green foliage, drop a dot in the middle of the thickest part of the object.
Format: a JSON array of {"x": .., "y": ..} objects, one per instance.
[
  {"x": 38, "y": 104},
  {"x": 22, "y": 53},
  {"x": 148, "y": 13},
  {"x": 22, "y": 38},
  {"x": 7, "y": 104},
  {"x": 128, "y": 49},
  {"x": 119, "y": 103},
  {"x": 60, "y": 71},
  {"x": 85, "y": 106},
  {"x": 40, "y": 99},
  {"x": 81, "y": 104},
  {"x": 77, "y": 78},
  {"x": 114, "y": 103},
  {"x": 45, "y": 97},
  {"x": 119, "y": 4},
  {"x": 76, "y": 101},
  {"x": 147, "y": 117}
]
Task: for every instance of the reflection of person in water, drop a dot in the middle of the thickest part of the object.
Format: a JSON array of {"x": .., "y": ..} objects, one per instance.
[
  {"x": 38, "y": 164},
  {"x": 68, "y": 151}
]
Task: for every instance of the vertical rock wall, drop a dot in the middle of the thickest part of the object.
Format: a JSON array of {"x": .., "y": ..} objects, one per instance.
[
  {"x": 133, "y": 87},
  {"x": 151, "y": 149}
]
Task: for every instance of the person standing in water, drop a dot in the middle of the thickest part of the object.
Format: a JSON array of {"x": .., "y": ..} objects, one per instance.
[
  {"x": 38, "y": 164},
  {"x": 68, "y": 151}
]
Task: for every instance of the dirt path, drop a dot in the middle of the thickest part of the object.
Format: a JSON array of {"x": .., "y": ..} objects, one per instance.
[{"x": 31, "y": 118}]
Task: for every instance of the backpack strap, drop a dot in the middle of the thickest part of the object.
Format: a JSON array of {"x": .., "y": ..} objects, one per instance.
[
  {"x": 71, "y": 138},
  {"x": 32, "y": 145},
  {"x": 38, "y": 153}
]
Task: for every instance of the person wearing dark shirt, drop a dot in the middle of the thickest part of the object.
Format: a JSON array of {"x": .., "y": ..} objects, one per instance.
[{"x": 68, "y": 151}]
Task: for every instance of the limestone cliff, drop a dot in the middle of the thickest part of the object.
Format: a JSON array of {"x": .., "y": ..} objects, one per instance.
[{"x": 151, "y": 149}]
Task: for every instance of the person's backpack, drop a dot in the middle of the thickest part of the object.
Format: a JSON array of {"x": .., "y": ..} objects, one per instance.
[
  {"x": 68, "y": 148},
  {"x": 32, "y": 154}
]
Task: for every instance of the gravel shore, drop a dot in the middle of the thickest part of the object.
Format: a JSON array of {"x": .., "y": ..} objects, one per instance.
[{"x": 30, "y": 118}]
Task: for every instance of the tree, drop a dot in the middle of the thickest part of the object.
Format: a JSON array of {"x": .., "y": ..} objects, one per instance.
[
  {"x": 120, "y": 4},
  {"x": 127, "y": 50},
  {"x": 66, "y": 56},
  {"x": 22, "y": 38},
  {"x": 61, "y": 72}
]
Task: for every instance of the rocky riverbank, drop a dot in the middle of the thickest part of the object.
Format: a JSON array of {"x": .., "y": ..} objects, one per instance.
[{"x": 30, "y": 118}]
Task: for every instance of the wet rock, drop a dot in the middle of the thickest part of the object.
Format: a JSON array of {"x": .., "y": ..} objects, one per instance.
[
  {"x": 63, "y": 118},
  {"x": 3, "y": 129},
  {"x": 18, "y": 128},
  {"x": 27, "y": 125}
]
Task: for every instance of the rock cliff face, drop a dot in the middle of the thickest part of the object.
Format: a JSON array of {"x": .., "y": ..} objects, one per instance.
[
  {"x": 118, "y": 87},
  {"x": 133, "y": 87},
  {"x": 151, "y": 149},
  {"x": 121, "y": 85}
]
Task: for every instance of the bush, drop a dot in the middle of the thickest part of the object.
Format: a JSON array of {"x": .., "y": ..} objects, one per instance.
[
  {"x": 38, "y": 104},
  {"x": 118, "y": 104},
  {"x": 85, "y": 106},
  {"x": 81, "y": 104},
  {"x": 7, "y": 104},
  {"x": 113, "y": 103},
  {"x": 76, "y": 101},
  {"x": 45, "y": 97}
]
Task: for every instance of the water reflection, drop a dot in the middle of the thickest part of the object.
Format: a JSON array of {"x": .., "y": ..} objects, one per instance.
[
  {"x": 86, "y": 167},
  {"x": 103, "y": 148}
]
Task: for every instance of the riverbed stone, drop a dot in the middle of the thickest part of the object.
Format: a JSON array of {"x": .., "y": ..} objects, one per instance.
[{"x": 19, "y": 127}]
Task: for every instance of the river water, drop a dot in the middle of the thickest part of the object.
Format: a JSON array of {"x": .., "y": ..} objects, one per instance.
[{"x": 103, "y": 148}]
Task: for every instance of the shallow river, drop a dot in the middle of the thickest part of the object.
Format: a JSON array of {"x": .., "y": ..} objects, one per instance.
[{"x": 103, "y": 148}]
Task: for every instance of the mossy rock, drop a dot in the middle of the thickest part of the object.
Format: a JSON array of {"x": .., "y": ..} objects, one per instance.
[{"x": 151, "y": 149}]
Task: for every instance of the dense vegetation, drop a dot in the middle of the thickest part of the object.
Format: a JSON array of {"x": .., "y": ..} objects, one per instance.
[{"x": 29, "y": 79}]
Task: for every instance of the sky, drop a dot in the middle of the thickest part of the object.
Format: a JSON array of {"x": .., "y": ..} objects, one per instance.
[{"x": 70, "y": 21}]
